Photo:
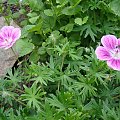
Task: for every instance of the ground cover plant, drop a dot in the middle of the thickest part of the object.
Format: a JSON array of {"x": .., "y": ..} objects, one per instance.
[{"x": 58, "y": 74}]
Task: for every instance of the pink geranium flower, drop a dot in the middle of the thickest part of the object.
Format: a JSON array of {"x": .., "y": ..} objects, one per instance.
[
  {"x": 8, "y": 36},
  {"x": 110, "y": 51}
]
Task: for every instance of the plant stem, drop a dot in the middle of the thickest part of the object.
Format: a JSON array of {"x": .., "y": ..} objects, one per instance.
[
  {"x": 18, "y": 100},
  {"x": 14, "y": 53}
]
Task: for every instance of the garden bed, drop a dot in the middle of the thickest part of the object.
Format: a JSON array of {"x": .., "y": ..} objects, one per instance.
[{"x": 61, "y": 71}]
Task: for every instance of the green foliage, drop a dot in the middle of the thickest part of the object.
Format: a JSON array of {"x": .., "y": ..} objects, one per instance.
[
  {"x": 58, "y": 76},
  {"x": 23, "y": 47},
  {"x": 114, "y": 6},
  {"x": 33, "y": 95}
]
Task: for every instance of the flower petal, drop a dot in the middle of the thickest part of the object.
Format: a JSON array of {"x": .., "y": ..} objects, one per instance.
[
  {"x": 114, "y": 64},
  {"x": 7, "y": 28},
  {"x": 119, "y": 42},
  {"x": 1, "y": 38},
  {"x": 102, "y": 53},
  {"x": 109, "y": 41},
  {"x": 8, "y": 36},
  {"x": 16, "y": 33},
  {"x": 7, "y": 31},
  {"x": 10, "y": 45}
]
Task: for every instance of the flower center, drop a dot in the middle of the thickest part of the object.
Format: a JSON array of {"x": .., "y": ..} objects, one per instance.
[{"x": 115, "y": 53}]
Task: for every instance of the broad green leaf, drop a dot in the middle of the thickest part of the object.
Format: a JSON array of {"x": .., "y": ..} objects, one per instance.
[
  {"x": 32, "y": 14},
  {"x": 48, "y": 12},
  {"x": 23, "y": 47},
  {"x": 36, "y": 5},
  {"x": 34, "y": 57},
  {"x": 71, "y": 10},
  {"x": 48, "y": 23},
  {"x": 25, "y": 30},
  {"x": 115, "y": 7}
]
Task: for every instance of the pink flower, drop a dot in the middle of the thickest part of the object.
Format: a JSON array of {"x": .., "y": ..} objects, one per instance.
[
  {"x": 110, "y": 51},
  {"x": 8, "y": 36}
]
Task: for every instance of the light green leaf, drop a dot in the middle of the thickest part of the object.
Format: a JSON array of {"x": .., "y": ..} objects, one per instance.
[
  {"x": 85, "y": 19},
  {"x": 48, "y": 12},
  {"x": 79, "y": 21}
]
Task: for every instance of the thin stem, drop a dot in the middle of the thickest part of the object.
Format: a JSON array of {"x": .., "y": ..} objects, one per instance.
[
  {"x": 18, "y": 100},
  {"x": 63, "y": 57},
  {"x": 15, "y": 99},
  {"x": 77, "y": 3},
  {"x": 15, "y": 55}
]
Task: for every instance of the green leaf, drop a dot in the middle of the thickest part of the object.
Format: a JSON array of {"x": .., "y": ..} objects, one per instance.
[
  {"x": 62, "y": 1},
  {"x": 48, "y": 12},
  {"x": 74, "y": 2},
  {"x": 79, "y": 21},
  {"x": 34, "y": 57},
  {"x": 25, "y": 30},
  {"x": 33, "y": 19},
  {"x": 48, "y": 23},
  {"x": 56, "y": 103},
  {"x": 115, "y": 7},
  {"x": 71, "y": 10},
  {"x": 36, "y": 5},
  {"x": 23, "y": 47},
  {"x": 12, "y": 1},
  {"x": 33, "y": 96},
  {"x": 85, "y": 19},
  {"x": 67, "y": 28},
  {"x": 32, "y": 14}
]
